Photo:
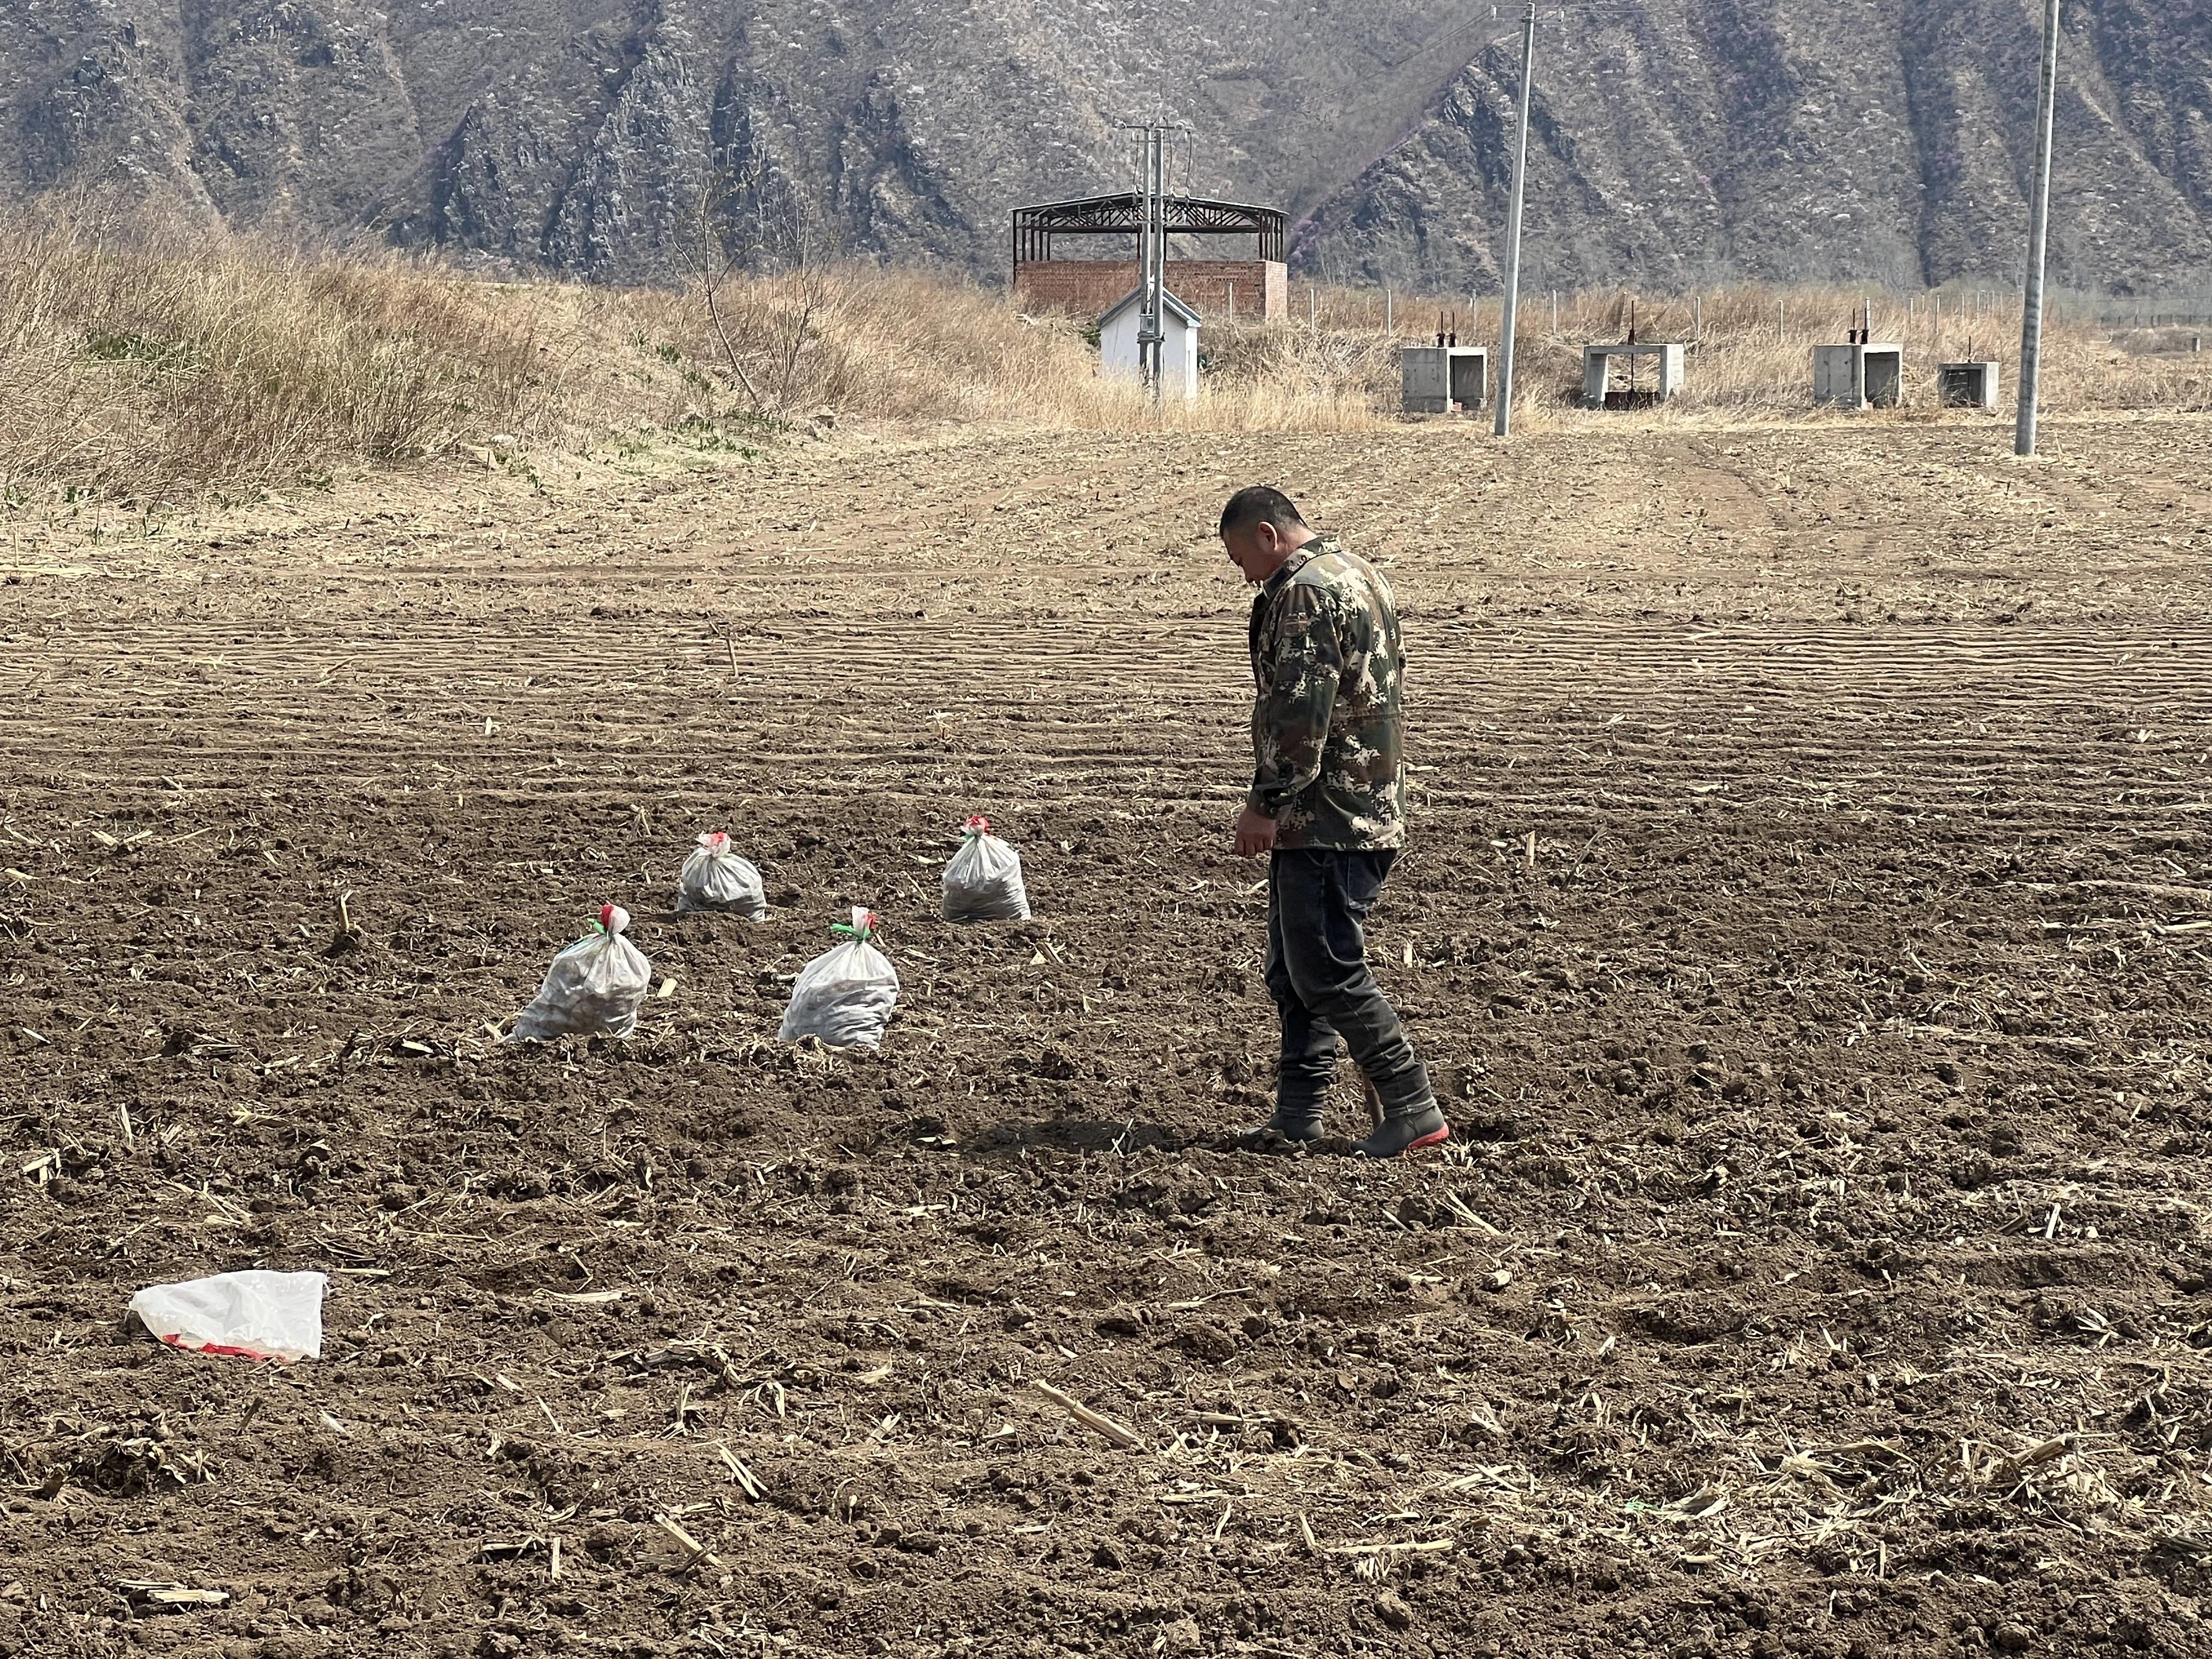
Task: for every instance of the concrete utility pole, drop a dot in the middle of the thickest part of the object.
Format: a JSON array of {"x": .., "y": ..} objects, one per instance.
[
  {"x": 1152, "y": 193},
  {"x": 2038, "y": 225},
  {"x": 1152, "y": 165},
  {"x": 1513, "y": 232}
]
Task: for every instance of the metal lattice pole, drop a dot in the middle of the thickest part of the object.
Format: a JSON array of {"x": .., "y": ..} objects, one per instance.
[
  {"x": 2038, "y": 226},
  {"x": 1513, "y": 232}
]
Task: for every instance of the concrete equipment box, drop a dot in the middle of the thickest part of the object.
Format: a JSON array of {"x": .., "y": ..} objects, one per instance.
[
  {"x": 1860, "y": 376},
  {"x": 1444, "y": 379},
  {"x": 1598, "y": 363},
  {"x": 1968, "y": 385}
]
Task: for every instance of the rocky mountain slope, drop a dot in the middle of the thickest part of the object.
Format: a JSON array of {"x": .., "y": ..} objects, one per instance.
[
  {"x": 1884, "y": 139},
  {"x": 1676, "y": 141}
]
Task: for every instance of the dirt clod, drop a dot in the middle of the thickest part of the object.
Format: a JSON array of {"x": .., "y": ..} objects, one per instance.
[{"x": 1211, "y": 1343}]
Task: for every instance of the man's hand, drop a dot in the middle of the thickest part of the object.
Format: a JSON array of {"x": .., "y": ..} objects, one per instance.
[{"x": 1255, "y": 834}]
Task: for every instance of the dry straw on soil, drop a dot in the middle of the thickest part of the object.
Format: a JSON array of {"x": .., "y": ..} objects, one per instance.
[{"x": 147, "y": 364}]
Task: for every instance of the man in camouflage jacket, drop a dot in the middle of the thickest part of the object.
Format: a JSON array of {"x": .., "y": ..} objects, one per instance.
[{"x": 1327, "y": 804}]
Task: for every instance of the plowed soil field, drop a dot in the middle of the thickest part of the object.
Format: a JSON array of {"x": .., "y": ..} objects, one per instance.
[{"x": 1806, "y": 919}]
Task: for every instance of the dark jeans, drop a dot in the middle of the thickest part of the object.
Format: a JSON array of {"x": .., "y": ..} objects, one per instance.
[{"x": 1317, "y": 972}]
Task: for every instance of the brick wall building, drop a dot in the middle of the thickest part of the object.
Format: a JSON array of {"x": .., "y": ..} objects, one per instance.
[
  {"x": 1254, "y": 288},
  {"x": 1215, "y": 288}
]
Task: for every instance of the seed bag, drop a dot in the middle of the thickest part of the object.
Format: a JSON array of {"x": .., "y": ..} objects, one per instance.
[
  {"x": 983, "y": 879},
  {"x": 845, "y": 996},
  {"x": 593, "y": 989},
  {"x": 715, "y": 879}
]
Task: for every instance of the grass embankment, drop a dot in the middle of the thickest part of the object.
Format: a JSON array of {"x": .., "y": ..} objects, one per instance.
[
  {"x": 149, "y": 366},
  {"x": 140, "y": 370}
]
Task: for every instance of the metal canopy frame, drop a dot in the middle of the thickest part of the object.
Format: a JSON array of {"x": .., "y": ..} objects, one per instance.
[{"x": 1123, "y": 214}]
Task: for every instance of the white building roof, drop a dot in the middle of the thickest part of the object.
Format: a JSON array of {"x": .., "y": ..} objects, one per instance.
[{"x": 1168, "y": 303}]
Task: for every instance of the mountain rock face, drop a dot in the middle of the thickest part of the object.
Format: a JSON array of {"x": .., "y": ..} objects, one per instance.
[
  {"x": 1672, "y": 142},
  {"x": 1885, "y": 140}
]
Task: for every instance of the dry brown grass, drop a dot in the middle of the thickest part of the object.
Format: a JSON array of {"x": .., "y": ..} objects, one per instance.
[
  {"x": 145, "y": 365},
  {"x": 140, "y": 369},
  {"x": 905, "y": 343}
]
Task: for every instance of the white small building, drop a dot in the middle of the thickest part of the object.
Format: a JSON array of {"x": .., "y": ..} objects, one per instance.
[{"x": 1117, "y": 342}]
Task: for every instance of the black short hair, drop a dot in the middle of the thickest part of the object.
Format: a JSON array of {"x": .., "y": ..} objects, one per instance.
[{"x": 1260, "y": 504}]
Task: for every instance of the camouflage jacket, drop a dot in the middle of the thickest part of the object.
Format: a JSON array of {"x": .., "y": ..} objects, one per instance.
[{"x": 1328, "y": 736}]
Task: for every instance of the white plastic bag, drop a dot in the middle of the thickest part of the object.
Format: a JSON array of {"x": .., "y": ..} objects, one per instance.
[
  {"x": 256, "y": 1314},
  {"x": 844, "y": 996},
  {"x": 593, "y": 989},
  {"x": 983, "y": 879},
  {"x": 715, "y": 879}
]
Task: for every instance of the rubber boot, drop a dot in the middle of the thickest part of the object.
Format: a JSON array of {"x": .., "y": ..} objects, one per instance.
[
  {"x": 1413, "y": 1133},
  {"x": 1295, "y": 1131}
]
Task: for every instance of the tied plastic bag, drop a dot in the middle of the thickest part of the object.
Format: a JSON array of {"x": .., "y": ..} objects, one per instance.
[
  {"x": 593, "y": 989},
  {"x": 715, "y": 879},
  {"x": 845, "y": 996},
  {"x": 983, "y": 879},
  {"x": 256, "y": 1315}
]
